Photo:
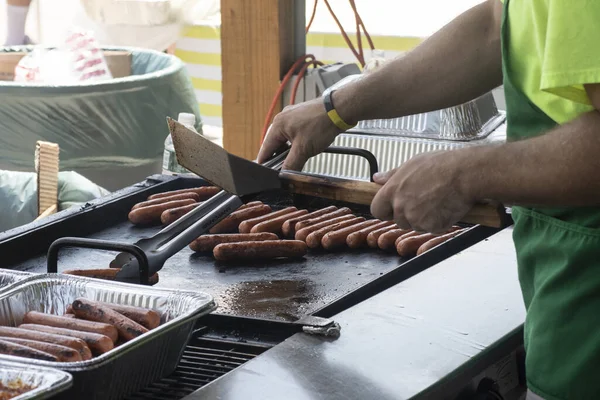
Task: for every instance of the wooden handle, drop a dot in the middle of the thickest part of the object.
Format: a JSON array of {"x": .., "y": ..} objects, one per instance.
[{"x": 361, "y": 192}]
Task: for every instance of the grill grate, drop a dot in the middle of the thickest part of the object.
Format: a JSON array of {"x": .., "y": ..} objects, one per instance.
[{"x": 203, "y": 361}]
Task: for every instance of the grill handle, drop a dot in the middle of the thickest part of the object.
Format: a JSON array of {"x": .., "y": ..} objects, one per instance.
[{"x": 354, "y": 151}]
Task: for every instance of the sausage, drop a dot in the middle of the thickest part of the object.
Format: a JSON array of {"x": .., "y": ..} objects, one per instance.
[
  {"x": 374, "y": 236},
  {"x": 289, "y": 227},
  {"x": 337, "y": 238},
  {"x": 303, "y": 233},
  {"x": 430, "y": 244},
  {"x": 69, "y": 315},
  {"x": 146, "y": 317},
  {"x": 69, "y": 310},
  {"x": 313, "y": 240},
  {"x": 151, "y": 214},
  {"x": 209, "y": 242},
  {"x": 386, "y": 240},
  {"x": 274, "y": 225},
  {"x": 251, "y": 204},
  {"x": 358, "y": 239},
  {"x": 104, "y": 273},
  {"x": 62, "y": 353},
  {"x": 268, "y": 249},
  {"x": 99, "y": 344},
  {"x": 74, "y": 343},
  {"x": 18, "y": 350},
  {"x": 326, "y": 217},
  {"x": 34, "y": 317},
  {"x": 172, "y": 215},
  {"x": 247, "y": 225},
  {"x": 408, "y": 247},
  {"x": 91, "y": 310},
  {"x": 203, "y": 192},
  {"x": 161, "y": 200},
  {"x": 406, "y": 236},
  {"x": 233, "y": 220}
]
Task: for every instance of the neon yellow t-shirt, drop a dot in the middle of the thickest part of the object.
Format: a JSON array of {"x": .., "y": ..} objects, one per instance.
[{"x": 555, "y": 50}]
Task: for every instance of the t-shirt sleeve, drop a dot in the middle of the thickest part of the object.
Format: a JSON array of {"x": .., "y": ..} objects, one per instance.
[{"x": 572, "y": 48}]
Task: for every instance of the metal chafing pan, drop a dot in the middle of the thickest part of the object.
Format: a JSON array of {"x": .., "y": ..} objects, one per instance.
[
  {"x": 8, "y": 278},
  {"x": 45, "y": 382},
  {"x": 130, "y": 366}
]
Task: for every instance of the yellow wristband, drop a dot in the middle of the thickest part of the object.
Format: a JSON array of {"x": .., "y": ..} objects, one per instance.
[{"x": 333, "y": 114}]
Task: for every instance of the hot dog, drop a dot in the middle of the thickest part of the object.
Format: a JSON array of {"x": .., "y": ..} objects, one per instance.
[
  {"x": 74, "y": 343},
  {"x": 325, "y": 217},
  {"x": 337, "y": 238},
  {"x": 251, "y": 204},
  {"x": 104, "y": 273},
  {"x": 247, "y": 225},
  {"x": 289, "y": 227},
  {"x": 274, "y": 225},
  {"x": 34, "y": 317},
  {"x": 408, "y": 247},
  {"x": 405, "y": 236},
  {"x": 99, "y": 344},
  {"x": 313, "y": 240},
  {"x": 62, "y": 353},
  {"x": 303, "y": 233},
  {"x": 260, "y": 250},
  {"x": 209, "y": 242},
  {"x": 203, "y": 192},
  {"x": 374, "y": 236},
  {"x": 91, "y": 310},
  {"x": 18, "y": 350},
  {"x": 358, "y": 239},
  {"x": 430, "y": 244},
  {"x": 146, "y": 317},
  {"x": 173, "y": 214},
  {"x": 387, "y": 240},
  {"x": 151, "y": 214},
  {"x": 161, "y": 200},
  {"x": 233, "y": 220}
]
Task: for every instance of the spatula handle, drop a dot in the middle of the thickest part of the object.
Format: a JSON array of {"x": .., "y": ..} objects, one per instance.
[{"x": 361, "y": 192}]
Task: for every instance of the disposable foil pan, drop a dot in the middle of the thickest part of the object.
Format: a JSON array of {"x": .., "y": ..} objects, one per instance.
[
  {"x": 46, "y": 382},
  {"x": 8, "y": 278},
  {"x": 130, "y": 366}
]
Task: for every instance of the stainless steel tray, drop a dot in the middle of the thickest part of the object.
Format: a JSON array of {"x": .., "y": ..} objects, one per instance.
[
  {"x": 8, "y": 278},
  {"x": 46, "y": 382},
  {"x": 130, "y": 366}
]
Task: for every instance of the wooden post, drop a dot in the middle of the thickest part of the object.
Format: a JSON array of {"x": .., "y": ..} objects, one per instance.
[{"x": 257, "y": 49}]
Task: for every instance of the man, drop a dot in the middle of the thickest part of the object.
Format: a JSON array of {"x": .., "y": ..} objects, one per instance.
[
  {"x": 545, "y": 52},
  {"x": 16, "y": 17}
]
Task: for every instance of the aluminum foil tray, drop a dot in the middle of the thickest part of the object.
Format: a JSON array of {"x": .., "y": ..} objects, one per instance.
[
  {"x": 8, "y": 278},
  {"x": 46, "y": 382},
  {"x": 470, "y": 121},
  {"x": 128, "y": 367}
]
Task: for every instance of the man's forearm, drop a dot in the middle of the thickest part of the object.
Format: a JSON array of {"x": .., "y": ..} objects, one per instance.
[
  {"x": 456, "y": 64},
  {"x": 560, "y": 168}
]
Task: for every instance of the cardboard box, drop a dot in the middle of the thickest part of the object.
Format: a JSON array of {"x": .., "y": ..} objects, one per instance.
[{"x": 119, "y": 64}]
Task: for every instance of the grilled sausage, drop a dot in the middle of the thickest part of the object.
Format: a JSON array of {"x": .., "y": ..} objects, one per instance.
[
  {"x": 104, "y": 273},
  {"x": 233, "y": 220},
  {"x": 151, "y": 214},
  {"x": 247, "y": 225},
  {"x": 69, "y": 310},
  {"x": 18, "y": 350},
  {"x": 69, "y": 315},
  {"x": 387, "y": 240},
  {"x": 146, "y": 317},
  {"x": 209, "y": 242},
  {"x": 99, "y": 344},
  {"x": 251, "y": 204},
  {"x": 91, "y": 310},
  {"x": 74, "y": 343},
  {"x": 161, "y": 200},
  {"x": 358, "y": 239},
  {"x": 405, "y": 236},
  {"x": 268, "y": 249},
  {"x": 203, "y": 192},
  {"x": 408, "y": 247},
  {"x": 274, "y": 225},
  {"x": 172, "y": 215},
  {"x": 326, "y": 217},
  {"x": 289, "y": 227},
  {"x": 62, "y": 353},
  {"x": 430, "y": 244},
  {"x": 34, "y": 317},
  {"x": 313, "y": 240},
  {"x": 303, "y": 233},
  {"x": 374, "y": 236},
  {"x": 337, "y": 238}
]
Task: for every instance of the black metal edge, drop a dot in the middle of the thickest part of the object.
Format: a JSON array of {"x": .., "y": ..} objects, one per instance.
[{"x": 406, "y": 270}]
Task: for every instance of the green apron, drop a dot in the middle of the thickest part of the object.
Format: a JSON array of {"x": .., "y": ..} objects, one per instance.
[{"x": 558, "y": 251}]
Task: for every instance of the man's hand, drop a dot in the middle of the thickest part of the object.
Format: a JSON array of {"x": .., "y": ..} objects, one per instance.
[
  {"x": 424, "y": 194},
  {"x": 306, "y": 126}
]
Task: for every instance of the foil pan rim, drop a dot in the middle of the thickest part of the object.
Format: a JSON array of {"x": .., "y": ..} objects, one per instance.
[
  {"x": 53, "y": 380},
  {"x": 208, "y": 306}
]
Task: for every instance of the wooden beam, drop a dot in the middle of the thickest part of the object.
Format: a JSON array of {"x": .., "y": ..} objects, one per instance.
[{"x": 257, "y": 49}]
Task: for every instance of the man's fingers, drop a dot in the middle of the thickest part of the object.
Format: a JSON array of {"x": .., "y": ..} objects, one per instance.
[
  {"x": 382, "y": 177},
  {"x": 273, "y": 141},
  {"x": 295, "y": 159},
  {"x": 381, "y": 206}
]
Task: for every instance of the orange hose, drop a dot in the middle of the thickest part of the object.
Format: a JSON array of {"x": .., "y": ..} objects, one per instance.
[
  {"x": 344, "y": 35},
  {"x": 312, "y": 17},
  {"x": 361, "y": 23}
]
